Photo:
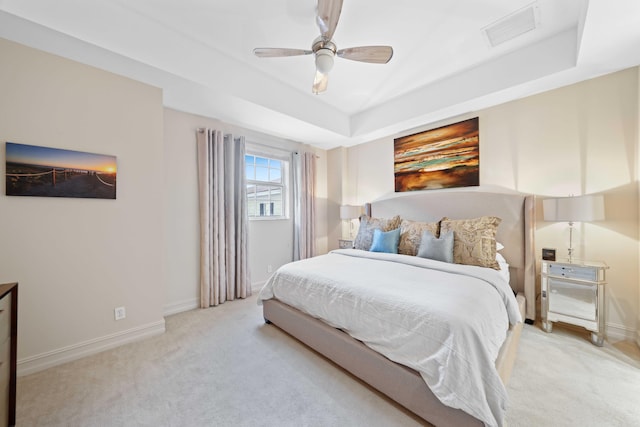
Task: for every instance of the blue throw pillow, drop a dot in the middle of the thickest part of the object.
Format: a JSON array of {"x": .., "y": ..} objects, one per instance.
[
  {"x": 385, "y": 241},
  {"x": 438, "y": 249}
]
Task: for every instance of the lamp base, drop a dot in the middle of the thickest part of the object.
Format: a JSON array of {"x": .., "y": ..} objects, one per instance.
[{"x": 570, "y": 251}]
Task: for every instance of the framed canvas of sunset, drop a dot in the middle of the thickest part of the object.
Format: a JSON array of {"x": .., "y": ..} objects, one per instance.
[
  {"x": 445, "y": 157},
  {"x": 32, "y": 170}
]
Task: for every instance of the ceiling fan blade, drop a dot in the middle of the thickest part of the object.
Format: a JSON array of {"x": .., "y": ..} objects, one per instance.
[
  {"x": 328, "y": 16},
  {"x": 373, "y": 54},
  {"x": 320, "y": 83},
  {"x": 272, "y": 52}
]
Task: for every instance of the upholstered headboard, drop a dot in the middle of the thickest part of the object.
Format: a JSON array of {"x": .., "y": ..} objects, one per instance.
[{"x": 516, "y": 231}]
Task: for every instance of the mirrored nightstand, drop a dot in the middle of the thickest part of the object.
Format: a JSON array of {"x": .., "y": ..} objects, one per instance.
[{"x": 573, "y": 292}]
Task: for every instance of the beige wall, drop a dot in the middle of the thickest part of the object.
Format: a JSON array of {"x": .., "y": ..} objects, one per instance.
[
  {"x": 78, "y": 259},
  {"x": 270, "y": 241},
  {"x": 181, "y": 212},
  {"x": 638, "y": 180},
  {"x": 337, "y": 158},
  {"x": 580, "y": 139}
]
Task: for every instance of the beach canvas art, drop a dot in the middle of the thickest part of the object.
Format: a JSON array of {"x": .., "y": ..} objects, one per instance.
[
  {"x": 32, "y": 170},
  {"x": 444, "y": 157}
]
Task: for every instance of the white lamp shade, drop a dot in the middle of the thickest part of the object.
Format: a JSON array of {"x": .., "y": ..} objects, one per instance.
[
  {"x": 349, "y": 212},
  {"x": 578, "y": 208}
]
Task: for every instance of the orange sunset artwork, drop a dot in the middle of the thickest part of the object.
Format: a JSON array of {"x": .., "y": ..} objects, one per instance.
[
  {"x": 444, "y": 157},
  {"x": 51, "y": 172}
]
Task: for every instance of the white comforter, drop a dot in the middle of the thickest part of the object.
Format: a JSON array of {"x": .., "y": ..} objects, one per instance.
[{"x": 446, "y": 321}]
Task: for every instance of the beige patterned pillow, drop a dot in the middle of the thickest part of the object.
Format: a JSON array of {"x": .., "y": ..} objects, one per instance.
[
  {"x": 474, "y": 240},
  {"x": 411, "y": 235},
  {"x": 364, "y": 238}
]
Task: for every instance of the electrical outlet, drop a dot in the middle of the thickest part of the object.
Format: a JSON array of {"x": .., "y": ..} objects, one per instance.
[
  {"x": 119, "y": 313},
  {"x": 269, "y": 268}
]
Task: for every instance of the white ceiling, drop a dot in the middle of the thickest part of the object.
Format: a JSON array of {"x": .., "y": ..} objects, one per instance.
[{"x": 200, "y": 53}]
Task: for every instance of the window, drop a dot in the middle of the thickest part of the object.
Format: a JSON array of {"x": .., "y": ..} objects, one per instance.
[{"x": 266, "y": 186}]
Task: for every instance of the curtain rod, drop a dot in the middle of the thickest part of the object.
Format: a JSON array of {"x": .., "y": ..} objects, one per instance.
[
  {"x": 314, "y": 154},
  {"x": 278, "y": 148},
  {"x": 201, "y": 130}
]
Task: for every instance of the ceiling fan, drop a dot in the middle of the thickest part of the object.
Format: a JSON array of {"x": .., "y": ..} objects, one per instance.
[{"x": 325, "y": 49}]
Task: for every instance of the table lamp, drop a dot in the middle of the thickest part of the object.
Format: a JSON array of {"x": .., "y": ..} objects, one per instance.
[
  {"x": 349, "y": 213},
  {"x": 573, "y": 209}
]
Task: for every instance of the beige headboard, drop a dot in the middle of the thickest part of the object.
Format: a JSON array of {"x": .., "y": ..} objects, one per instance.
[{"x": 516, "y": 231}]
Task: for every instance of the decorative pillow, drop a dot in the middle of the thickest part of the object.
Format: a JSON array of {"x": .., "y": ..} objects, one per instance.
[
  {"x": 385, "y": 241},
  {"x": 367, "y": 225},
  {"x": 411, "y": 234},
  {"x": 474, "y": 240},
  {"x": 440, "y": 249}
]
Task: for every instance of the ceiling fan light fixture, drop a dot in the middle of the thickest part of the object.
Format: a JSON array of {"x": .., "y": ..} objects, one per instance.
[{"x": 324, "y": 60}]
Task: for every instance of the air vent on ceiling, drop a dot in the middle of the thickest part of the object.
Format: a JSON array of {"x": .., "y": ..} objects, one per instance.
[{"x": 513, "y": 25}]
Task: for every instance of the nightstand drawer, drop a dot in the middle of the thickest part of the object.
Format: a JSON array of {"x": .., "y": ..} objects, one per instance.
[
  {"x": 573, "y": 299},
  {"x": 574, "y": 272}
]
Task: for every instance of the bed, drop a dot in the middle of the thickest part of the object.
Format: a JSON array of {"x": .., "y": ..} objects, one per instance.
[{"x": 460, "y": 379}]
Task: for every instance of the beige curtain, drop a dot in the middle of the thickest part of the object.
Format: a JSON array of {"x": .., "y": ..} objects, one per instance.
[
  {"x": 304, "y": 216},
  {"x": 224, "y": 270}
]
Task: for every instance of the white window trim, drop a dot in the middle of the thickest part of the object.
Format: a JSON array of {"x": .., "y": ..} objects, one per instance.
[{"x": 285, "y": 157}]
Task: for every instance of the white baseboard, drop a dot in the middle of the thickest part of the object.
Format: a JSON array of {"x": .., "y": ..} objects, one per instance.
[
  {"x": 32, "y": 364},
  {"x": 180, "y": 306},
  {"x": 617, "y": 332}
]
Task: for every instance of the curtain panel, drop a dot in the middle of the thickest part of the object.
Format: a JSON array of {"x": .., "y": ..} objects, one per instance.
[
  {"x": 224, "y": 268},
  {"x": 304, "y": 217}
]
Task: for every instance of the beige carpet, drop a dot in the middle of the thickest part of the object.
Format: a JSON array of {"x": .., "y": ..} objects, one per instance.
[{"x": 224, "y": 367}]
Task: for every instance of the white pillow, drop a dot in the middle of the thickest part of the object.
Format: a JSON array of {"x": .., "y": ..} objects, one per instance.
[{"x": 504, "y": 267}]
